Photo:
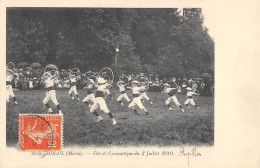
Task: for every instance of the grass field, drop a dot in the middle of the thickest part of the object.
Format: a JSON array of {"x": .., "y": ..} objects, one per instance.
[{"x": 163, "y": 128}]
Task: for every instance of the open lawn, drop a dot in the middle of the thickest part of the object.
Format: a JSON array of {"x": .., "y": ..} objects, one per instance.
[{"x": 163, "y": 128}]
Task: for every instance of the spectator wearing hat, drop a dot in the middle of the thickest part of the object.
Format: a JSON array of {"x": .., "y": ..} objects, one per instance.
[
  {"x": 201, "y": 86},
  {"x": 207, "y": 91},
  {"x": 16, "y": 78}
]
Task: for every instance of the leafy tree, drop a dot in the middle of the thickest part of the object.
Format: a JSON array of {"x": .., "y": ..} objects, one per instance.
[
  {"x": 14, "y": 46},
  {"x": 169, "y": 42},
  {"x": 190, "y": 49},
  {"x": 35, "y": 41},
  {"x": 65, "y": 55},
  {"x": 151, "y": 32},
  {"x": 97, "y": 35},
  {"x": 27, "y": 43},
  {"x": 128, "y": 62}
]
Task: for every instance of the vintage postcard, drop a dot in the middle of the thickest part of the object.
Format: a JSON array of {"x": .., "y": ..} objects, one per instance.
[{"x": 129, "y": 84}]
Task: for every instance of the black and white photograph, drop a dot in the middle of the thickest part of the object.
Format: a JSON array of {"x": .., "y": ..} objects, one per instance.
[
  {"x": 119, "y": 76},
  {"x": 122, "y": 84}
]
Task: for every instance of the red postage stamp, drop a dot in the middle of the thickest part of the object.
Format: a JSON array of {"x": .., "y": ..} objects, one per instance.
[{"x": 40, "y": 132}]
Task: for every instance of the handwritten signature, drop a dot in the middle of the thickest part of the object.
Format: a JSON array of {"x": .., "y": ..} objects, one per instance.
[{"x": 191, "y": 153}]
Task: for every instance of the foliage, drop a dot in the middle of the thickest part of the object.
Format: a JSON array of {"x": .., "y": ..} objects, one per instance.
[
  {"x": 169, "y": 42},
  {"x": 191, "y": 49},
  {"x": 65, "y": 52},
  {"x": 27, "y": 43},
  {"x": 128, "y": 62}
]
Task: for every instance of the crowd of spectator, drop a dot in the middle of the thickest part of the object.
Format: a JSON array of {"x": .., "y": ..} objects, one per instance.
[
  {"x": 27, "y": 78},
  {"x": 30, "y": 78},
  {"x": 204, "y": 86}
]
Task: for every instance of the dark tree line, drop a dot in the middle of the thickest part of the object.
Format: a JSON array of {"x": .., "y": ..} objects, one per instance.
[{"x": 164, "y": 41}]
